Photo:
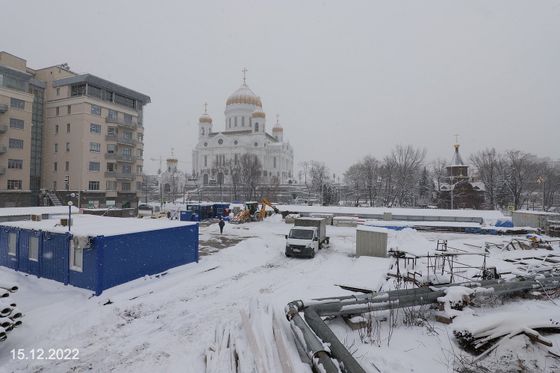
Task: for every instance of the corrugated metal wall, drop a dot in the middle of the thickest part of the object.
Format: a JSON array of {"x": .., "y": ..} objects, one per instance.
[
  {"x": 130, "y": 256},
  {"x": 54, "y": 256}
]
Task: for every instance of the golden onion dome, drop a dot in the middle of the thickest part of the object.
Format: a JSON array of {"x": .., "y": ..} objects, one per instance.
[
  {"x": 205, "y": 118},
  {"x": 277, "y": 129},
  {"x": 258, "y": 114},
  {"x": 244, "y": 95}
]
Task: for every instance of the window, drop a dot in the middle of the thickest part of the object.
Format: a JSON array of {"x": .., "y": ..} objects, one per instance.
[
  {"x": 126, "y": 169},
  {"x": 17, "y": 103},
  {"x": 15, "y": 143},
  {"x": 14, "y": 185},
  {"x": 95, "y": 128},
  {"x": 138, "y": 185},
  {"x": 57, "y": 111},
  {"x": 56, "y": 129},
  {"x": 55, "y": 166},
  {"x": 67, "y": 127},
  {"x": 139, "y": 170},
  {"x": 12, "y": 242},
  {"x": 113, "y": 115},
  {"x": 16, "y": 123},
  {"x": 94, "y": 166},
  {"x": 111, "y": 148},
  {"x": 235, "y": 121},
  {"x": 78, "y": 90},
  {"x": 56, "y": 148},
  {"x": 127, "y": 135},
  {"x": 205, "y": 161},
  {"x": 111, "y": 185},
  {"x": 67, "y": 166},
  {"x": 220, "y": 141},
  {"x": 140, "y": 137},
  {"x": 126, "y": 152},
  {"x": 67, "y": 146},
  {"x": 257, "y": 127},
  {"x": 139, "y": 153},
  {"x": 242, "y": 121},
  {"x": 127, "y": 118},
  {"x": 34, "y": 248},
  {"x": 93, "y": 185},
  {"x": 69, "y": 109},
  {"x": 111, "y": 167},
  {"x": 256, "y": 144},
  {"x": 125, "y": 187},
  {"x": 76, "y": 257},
  {"x": 58, "y": 91},
  {"x": 94, "y": 147},
  {"x": 111, "y": 131},
  {"x": 96, "y": 110},
  {"x": 229, "y": 122},
  {"x": 235, "y": 142},
  {"x": 15, "y": 163},
  {"x": 274, "y": 162}
]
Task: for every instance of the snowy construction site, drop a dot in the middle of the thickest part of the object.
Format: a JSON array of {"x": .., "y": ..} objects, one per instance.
[{"x": 418, "y": 291}]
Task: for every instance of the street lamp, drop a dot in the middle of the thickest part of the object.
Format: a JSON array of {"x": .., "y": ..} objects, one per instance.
[
  {"x": 70, "y": 203},
  {"x": 540, "y": 180}
]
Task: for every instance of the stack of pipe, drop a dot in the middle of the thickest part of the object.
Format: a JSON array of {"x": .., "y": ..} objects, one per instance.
[
  {"x": 313, "y": 333},
  {"x": 10, "y": 316}
]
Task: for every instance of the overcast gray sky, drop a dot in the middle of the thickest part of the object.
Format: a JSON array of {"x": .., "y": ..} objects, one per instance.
[{"x": 348, "y": 78}]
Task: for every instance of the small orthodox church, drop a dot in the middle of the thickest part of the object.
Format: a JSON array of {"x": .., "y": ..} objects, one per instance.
[
  {"x": 172, "y": 180},
  {"x": 245, "y": 131},
  {"x": 460, "y": 192}
]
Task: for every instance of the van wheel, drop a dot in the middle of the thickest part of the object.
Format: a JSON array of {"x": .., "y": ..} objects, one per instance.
[
  {"x": 288, "y": 255},
  {"x": 313, "y": 254}
]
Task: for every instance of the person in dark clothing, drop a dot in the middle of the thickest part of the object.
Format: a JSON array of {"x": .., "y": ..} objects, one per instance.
[{"x": 221, "y": 224}]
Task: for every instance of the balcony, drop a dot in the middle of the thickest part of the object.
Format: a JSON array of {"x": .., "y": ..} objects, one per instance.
[
  {"x": 121, "y": 123},
  {"x": 120, "y": 175},
  {"x": 3, "y": 128},
  {"x": 3, "y": 108},
  {"x": 121, "y": 157},
  {"x": 120, "y": 140}
]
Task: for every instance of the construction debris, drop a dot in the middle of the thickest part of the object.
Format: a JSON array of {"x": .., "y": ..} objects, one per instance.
[{"x": 10, "y": 316}]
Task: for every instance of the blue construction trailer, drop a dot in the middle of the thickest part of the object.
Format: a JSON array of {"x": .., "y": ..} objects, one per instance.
[
  {"x": 98, "y": 252},
  {"x": 220, "y": 210},
  {"x": 201, "y": 211}
]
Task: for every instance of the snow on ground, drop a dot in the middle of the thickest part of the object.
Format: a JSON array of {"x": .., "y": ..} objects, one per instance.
[{"x": 167, "y": 323}]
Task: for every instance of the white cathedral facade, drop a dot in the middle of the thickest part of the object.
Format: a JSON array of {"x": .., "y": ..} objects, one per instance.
[{"x": 245, "y": 132}]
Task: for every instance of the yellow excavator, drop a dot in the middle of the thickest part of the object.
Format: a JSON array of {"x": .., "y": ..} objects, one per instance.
[
  {"x": 262, "y": 212},
  {"x": 251, "y": 214}
]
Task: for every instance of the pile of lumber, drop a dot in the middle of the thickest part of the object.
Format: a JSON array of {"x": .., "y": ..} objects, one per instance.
[
  {"x": 10, "y": 316},
  {"x": 486, "y": 337}
]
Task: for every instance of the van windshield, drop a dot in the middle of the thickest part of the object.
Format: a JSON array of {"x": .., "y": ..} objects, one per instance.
[{"x": 301, "y": 234}]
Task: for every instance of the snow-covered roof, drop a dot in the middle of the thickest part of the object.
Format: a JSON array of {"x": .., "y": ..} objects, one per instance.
[
  {"x": 36, "y": 210},
  {"x": 533, "y": 212},
  {"x": 92, "y": 225}
]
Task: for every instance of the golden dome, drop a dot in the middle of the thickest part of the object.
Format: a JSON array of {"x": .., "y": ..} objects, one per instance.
[
  {"x": 244, "y": 95},
  {"x": 205, "y": 118},
  {"x": 277, "y": 129},
  {"x": 258, "y": 114}
]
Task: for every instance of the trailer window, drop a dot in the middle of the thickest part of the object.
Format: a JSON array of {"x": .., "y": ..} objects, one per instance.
[
  {"x": 12, "y": 240},
  {"x": 34, "y": 248},
  {"x": 76, "y": 258}
]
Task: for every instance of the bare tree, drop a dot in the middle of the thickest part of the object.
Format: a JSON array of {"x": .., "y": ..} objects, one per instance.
[
  {"x": 548, "y": 182},
  {"x": 234, "y": 170},
  {"x": 353, "y": 177},
  {"x": 370, "y": 167},
  {"x": 407, "y": 162},
  {"x": 439, "y": 171},
  {"x": 250, "y": 173},
  {"x": 519, "y": 175},
  {"x": 487, "y": 163}
]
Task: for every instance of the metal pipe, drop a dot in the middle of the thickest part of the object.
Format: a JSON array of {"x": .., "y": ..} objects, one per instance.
[
  {"x": 338, "y": 349},
  {"x": 313, "y": 346}
]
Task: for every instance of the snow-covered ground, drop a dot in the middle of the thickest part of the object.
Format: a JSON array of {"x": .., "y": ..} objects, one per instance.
[{"x": 168, "y": 323}]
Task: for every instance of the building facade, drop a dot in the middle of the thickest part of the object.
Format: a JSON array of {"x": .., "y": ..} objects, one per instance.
[
  {"x": 81, "y": 134},
  {"x": 218, "y": 153}
]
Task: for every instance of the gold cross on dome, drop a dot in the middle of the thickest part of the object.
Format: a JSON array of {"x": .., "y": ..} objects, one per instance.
[
  {"x": 277, "y": 118},
  {"x": 244, "y": 71}
]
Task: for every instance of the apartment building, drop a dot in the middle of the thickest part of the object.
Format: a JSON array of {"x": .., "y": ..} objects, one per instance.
[{"x": 91, "y": 139}]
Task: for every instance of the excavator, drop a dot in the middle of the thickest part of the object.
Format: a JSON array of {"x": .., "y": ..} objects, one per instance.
[{"x": 251, "y": 214}]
